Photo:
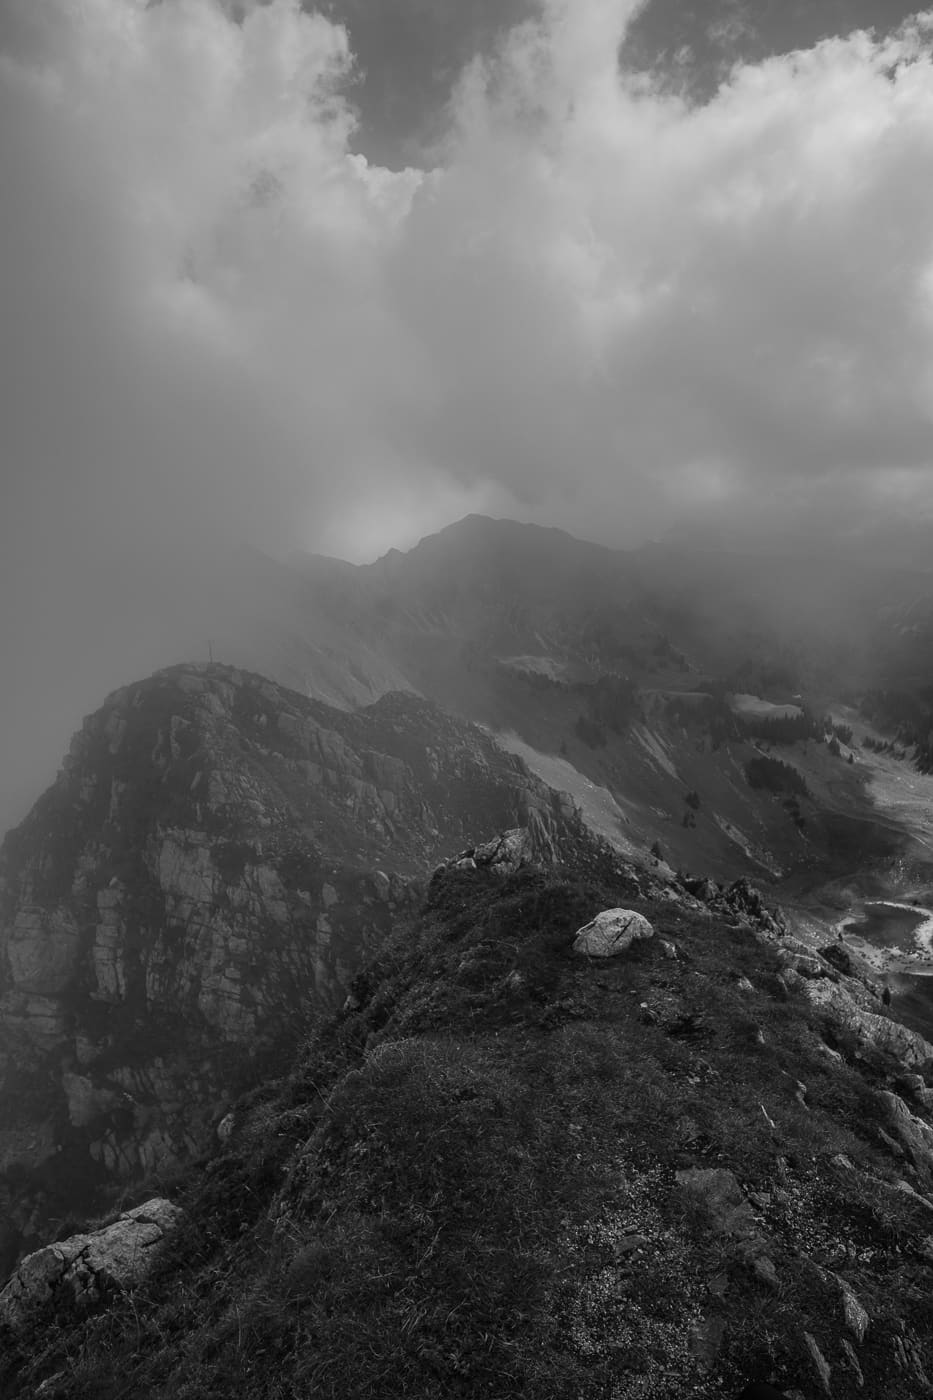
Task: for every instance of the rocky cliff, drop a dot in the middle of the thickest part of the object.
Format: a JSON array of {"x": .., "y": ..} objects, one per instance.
[{"x": 215, "y": 859}]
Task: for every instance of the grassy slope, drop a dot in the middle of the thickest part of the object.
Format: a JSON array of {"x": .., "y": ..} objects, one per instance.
[{"x": 466, "y": 1186}]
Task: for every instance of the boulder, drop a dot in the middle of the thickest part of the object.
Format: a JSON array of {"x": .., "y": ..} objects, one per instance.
[
  {"x": 610, "y": 933},
  {"x": 856, "y": 1318},
  {"x": 84, "y": 1266},
  {"x": 820, "y": 1364}
]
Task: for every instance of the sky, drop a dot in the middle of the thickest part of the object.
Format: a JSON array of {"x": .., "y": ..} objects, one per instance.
[{"x": 328, "y": 279}]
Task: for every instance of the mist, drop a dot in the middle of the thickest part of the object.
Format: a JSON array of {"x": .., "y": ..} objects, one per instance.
[{"x": 599, "y": 304}]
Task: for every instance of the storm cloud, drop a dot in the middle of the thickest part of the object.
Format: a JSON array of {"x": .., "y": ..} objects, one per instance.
[{"x": 598, "y": 305}]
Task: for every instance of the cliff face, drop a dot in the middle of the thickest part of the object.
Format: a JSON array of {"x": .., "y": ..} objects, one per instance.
[{"x": 214, "y": 861}]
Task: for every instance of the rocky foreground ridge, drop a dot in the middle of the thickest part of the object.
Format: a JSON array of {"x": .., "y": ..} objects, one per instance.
[
  {"x": 574, "y": 1132},
  {"x": 215, "y": 860}
]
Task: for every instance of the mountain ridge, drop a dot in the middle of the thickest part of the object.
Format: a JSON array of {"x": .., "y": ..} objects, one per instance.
[{"x": 505, "y": 1169}]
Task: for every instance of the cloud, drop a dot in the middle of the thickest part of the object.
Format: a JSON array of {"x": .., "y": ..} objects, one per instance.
[
  {"x": 601, "y": 307},
  {"x": 723, "y": 308}
]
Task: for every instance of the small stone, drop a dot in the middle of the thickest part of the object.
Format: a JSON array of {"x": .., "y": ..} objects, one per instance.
[
  {"x": 820, "y": 1363},
  {"x": 629, "y": 1244},
  {"x": 853, "y": 1361},
  {"x": 856, "y": 1318},
  {"x": 706, "y": 1340},
  {"x": 764, "y": 1269}
]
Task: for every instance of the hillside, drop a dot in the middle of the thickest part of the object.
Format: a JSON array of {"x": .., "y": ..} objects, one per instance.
[
  {"x": 504, "y": 1169},
  {"x": 213, "y": 863},
  {"x": 618, "y": 663},
  {"x": 417, "y": 1146}
]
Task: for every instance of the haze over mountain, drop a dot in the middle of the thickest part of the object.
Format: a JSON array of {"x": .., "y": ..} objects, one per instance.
[
  {"x": 349, "y": 633},
  {"x": 598, "y": 265}
]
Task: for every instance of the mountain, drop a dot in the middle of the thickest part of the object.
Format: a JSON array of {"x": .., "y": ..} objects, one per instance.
[
  {"x": 353, "y": 1127},
  {"x": 515, "y": 627},
  {"x": 621, "y": 677},
  {"x": 505, "y": 589},
  {"x": 504, "y": 1169},
  {"x": 213, "y": 863}
]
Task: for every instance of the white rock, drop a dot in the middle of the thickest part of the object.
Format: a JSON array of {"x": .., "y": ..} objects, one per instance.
[{"x": 611, "y": 932}]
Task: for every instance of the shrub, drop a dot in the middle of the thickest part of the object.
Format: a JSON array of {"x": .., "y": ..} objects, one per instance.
[{"x": 774, "y": 775}]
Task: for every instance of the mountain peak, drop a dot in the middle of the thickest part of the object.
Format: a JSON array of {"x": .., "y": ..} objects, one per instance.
[{"x": 214, "y": 861}]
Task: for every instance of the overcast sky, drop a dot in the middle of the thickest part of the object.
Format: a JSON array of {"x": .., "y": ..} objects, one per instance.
[{"x": 333, "y": 279}]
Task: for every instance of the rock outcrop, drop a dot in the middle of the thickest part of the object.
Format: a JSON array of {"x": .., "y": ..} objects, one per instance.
[
  {"x": 847, "y": 1005},
  {"x": 214, "y": 861},
  {"x": 86, "y": 1266},
  {"x": 914, "y": 1135},
  {"x": 505, "y": 854}
]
